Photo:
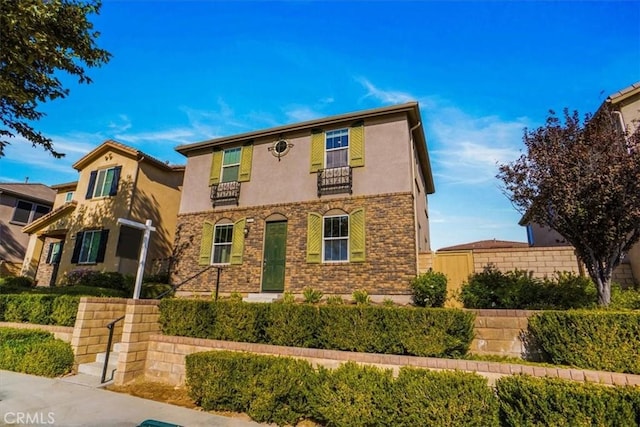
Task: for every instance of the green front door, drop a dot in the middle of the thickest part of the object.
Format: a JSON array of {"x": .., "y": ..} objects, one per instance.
[{"x": 275, "y": 249}]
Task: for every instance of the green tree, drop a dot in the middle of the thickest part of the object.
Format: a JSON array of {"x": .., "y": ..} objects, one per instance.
[
  {"x": 582, "y": 179},
  {"x": 38, "y": 39}
]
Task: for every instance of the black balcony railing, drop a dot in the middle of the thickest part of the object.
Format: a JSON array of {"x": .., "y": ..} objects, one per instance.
[
  {"x": 225, "y": 193},
  {"x": 335, "y": 180}
]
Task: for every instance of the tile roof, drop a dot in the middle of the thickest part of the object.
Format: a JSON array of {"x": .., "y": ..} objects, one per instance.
[
  {"x": 36, "y": 192},
  {"x": 486, "y": 244}
]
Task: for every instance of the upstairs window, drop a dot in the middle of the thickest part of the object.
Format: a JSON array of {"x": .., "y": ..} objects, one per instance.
[
  {"x": 68, "y": 197},
  {"x": 230, "y": 164},
  {"x": 26, "y": 212},
  {"x": 337, "y": 148},
  {"x": 104, "y": 182}
]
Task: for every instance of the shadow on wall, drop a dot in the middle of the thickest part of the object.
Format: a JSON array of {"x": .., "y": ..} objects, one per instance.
[{"x": 10, "y": 249}]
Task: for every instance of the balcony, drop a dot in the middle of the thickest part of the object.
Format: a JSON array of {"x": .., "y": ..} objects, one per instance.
[
  {"x": 335, "y": 180},
  {"x": 225, "y": 193}
]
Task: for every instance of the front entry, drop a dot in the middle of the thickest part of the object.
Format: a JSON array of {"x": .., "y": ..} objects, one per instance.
[{"x": 273, "y": 261}]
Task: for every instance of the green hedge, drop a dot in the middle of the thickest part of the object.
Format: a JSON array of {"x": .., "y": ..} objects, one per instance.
[
  {"x": 600, "y": 340},
  {"x": 529, "y": 401},
  {"x": 284, "y": 391},
  {"x": 388, "y": 330},
  {"x": 34, "y": 352},
  {"x": 39, "y": 309}
]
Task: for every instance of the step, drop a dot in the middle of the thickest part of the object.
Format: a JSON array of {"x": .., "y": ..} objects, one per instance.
[
  {"x": 262, "y": 297},
  {"x": 95, "y": 369},
  {"x": 113, "y": 357}
]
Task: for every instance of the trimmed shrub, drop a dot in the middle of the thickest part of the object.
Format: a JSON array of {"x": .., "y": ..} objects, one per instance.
[
  {"x": 361, "y": 297},
  {"x": 354, "y": 395},
  {"x": 444, "y": 399},
  {"x": 429, "y": 289},
  {"x": 624, "y": 299},
  {"x": 520, "y": 290},
  {"x": 390, "y": 330},
  {"x": 34, "y": 352},
  {"x": 39, "y": 309},
  {"x": 9, "y": 285},
  {"x": 92, "y": 278},
  {"x": 600, "y": 340},
  {"x": 269, "y": 389},
  {"x": 529, "y": 401}
]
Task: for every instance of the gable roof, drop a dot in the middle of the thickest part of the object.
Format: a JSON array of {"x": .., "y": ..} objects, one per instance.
[
  {"x": 485, "y": 244},
  {"x": 411, "y": 109},
  {"x": 34, "y": 192},
  {"x": 111, "y": 145},
  {"x": 65, "y": 186}
]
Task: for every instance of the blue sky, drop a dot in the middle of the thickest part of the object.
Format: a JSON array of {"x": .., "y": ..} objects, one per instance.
[{"x": 184, "y": 72}]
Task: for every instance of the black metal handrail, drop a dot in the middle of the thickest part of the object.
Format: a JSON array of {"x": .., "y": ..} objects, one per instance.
[
  {"x": 110, "y": 326},
  {"x": 335, "y": 180},
  {"x": 225, "y": 192}
]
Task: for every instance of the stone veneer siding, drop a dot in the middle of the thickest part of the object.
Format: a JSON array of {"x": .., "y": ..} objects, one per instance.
[
  {"x": 389, "y": 244},
  {"x": 45, "y": 271}
]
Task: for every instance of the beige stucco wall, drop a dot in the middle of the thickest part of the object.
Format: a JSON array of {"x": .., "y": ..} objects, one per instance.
[{"x": 387, "y": 168}]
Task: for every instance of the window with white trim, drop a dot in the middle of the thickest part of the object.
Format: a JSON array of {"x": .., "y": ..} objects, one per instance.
[
  {"x": 337, "y": 148},
  {"x": 222, "y": 239},
  {"x": 335, "y": 238},
  {"x": 68, "y": 197},
  {"x": 89, "y": 247},
  {"x": 26, "y": 212},
  {"x": 231, "y": 164}
]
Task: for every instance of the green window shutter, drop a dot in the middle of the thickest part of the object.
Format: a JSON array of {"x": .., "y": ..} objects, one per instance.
[
  {"x": 356, "y": 142},
  {"x": 237, "y": 241},
  {"x": 357, "y": 235},
  {"x": 314, "y": 238},
  {"x": 206, "y": 244},
  {"x": 245, "y": 163},
  {"x": 317, "y": 150},
  {"x": 216, "y": 165}
]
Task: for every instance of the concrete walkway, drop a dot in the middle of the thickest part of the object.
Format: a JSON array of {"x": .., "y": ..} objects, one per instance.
[{"x": 29, "y": 400}]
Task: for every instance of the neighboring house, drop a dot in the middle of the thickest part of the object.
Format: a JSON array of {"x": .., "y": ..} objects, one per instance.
[
  {"x": 20, "y": 204},
  {"x": 335, "y": 204},
  {"x": 81, "y": 232},
  {"x": 624, "y": 107}
]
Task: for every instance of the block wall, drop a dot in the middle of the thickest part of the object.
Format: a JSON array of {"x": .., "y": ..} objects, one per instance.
[{"x": 90, "y": 333}]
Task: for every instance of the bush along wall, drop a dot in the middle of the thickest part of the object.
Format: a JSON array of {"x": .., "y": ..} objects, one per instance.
[
  {"x": 529, "y": 401},
  {"x": 34, "y": 352},
  {"x": 58, "y": 310},
  {"x": 284, "y": 391},
  {"x": 387, "y": 330},
  {"x": 600, "y": 340}
]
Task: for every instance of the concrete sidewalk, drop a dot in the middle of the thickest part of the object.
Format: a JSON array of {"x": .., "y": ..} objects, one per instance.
[{"x": 30, "y": 400}]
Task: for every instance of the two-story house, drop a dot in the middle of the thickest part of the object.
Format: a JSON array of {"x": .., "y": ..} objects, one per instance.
[
  {"x": 82, "y": 231},
  {"x": 336, "y": 204},
  {"x": 20, "y": 204}
]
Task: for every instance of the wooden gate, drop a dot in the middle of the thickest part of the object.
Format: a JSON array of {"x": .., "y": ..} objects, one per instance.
[{"x": 457, "y": 266}]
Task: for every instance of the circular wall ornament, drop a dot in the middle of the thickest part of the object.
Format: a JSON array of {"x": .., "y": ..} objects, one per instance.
[{"x": 280, "y": 148}]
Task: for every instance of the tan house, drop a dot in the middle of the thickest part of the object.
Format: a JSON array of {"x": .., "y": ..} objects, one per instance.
[
  {"x": 82, "y": 231},
  {"x": 624, "y": 107},
  {"x": 335, "y": 204},
  {"x": 20, "y": 204}
]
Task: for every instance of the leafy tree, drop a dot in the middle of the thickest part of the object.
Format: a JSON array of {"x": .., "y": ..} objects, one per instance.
[
  {"x": 39, "y": 38},
  {"x": 582, "y": 179}
]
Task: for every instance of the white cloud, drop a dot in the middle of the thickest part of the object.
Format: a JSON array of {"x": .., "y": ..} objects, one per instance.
[
  {"x": 122, "y": 125},
  {"x": 385, "y": 96},
  {"x": 301, "y": 114}
]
